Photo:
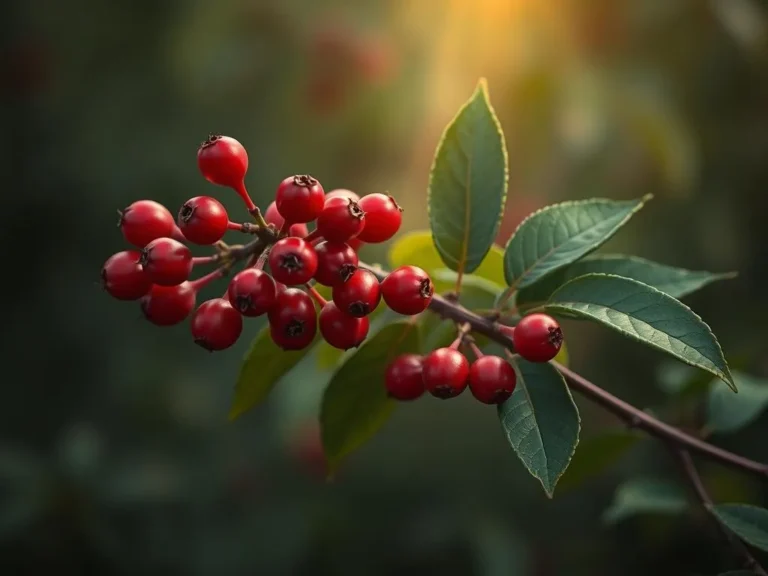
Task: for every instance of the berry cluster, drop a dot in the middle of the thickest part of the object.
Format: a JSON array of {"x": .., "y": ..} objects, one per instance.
[{"x": 157, "y": 271}]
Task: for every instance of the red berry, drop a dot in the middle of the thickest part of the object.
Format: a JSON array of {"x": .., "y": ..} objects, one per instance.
[
  {"x": 341, "y": 193},
  {"x": 123, "y": 277},
  {"x": 491, "y": 379},
  {"x": 166, "y": 261},
  {"x": 223, "y": 160},
  {"x": 341, "y": 330},
  {"x": 355, "y": 243},
  {"x": 340, "y": 220},
  {"x": 293, "y": 320},
  {"x": 359, "y": 295},
  {"x": 403, "y": 377},
  {"x": 203, "y": 220},
  {"x": 144, "y": 221},
  {"x": 292, "y": 261},
  {"x": 216, "y": 325},
  {"x": 272, "y": 216},
  {"x": 252, "y": 292},
  {"x": 336, "y": 262},
  {"x": 383, "y": 217},
  {"x": 445, "y": 372},
  {"x": 407, "y": 290},
  {"x": 300, "y": 199},
  {"x": 169, "y": 305},
  {"x": 537, "y": 337}
]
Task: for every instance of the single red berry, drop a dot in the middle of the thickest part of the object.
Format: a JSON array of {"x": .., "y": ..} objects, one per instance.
[
  {"x": 341, "y": 193},
  {"x": 166, "y": 261},
  {"x": 336, "y": 262},
  {"x": 216, "y": 325},
  {"x": 537, "y": 337},
  {"x": 272, "y": 216},
  {"x": 403, "y": 377},
  {"x": 445, "y": 372},
  {"x": 123, "y": 277},
  {"x": 359, "y": 295},
  {"x": 300, "y": 199},
  {"x": 144, "y": 221},
  {"x": 340, "y": 220},
  {"x": 252, "y": 292},
  {"x": 222, "y": 160},
  {"x": 341, "y": 330},
  {"x": 383, "y": 217},
  {"x": 292, "y": 261},
  {"x": 169, "y": 305},
  {"x": 407, "y": 290},
  {"x": 491, "y": 379},
  {"x": 203, "y": 220},
  {"x": 293, "y": 320}
]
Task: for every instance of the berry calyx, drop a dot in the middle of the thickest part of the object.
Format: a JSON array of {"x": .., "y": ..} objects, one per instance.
[
  {"x": 300, "y": 199},
  {"x": 293, "y": 320},
  {"x": 216, "y": 325},
  {"x": 293, "y": 261},
  {"x": 169, "y": 305},
  {"x": 223, "y": 161},
  {"x": 340, "y": 220},
  {"x": 383, "y": 217},
  {"x": 403, "y": 377},
  {"x": 445, "y": 373},
  {"x": 166, "y": 261},
  {"x": 491, "y": 379},
  {"x": 203, "y": 220},
  {"x": 359, "y": 295},
  {"x": 144, "y": 221},
  {"x": 252, "y": 292},
  {"x": 123, "y": 277},
  {"x": 272, "y": 216},
  {"x": 407, "y": 290},
  {"x": 537, "y": 337},
  {"x": 341, "y": 330},
  {"x": 336, "y": 262}
]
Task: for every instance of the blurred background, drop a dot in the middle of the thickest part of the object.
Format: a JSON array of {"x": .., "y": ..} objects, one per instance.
[{"x": 116, "y": 456}]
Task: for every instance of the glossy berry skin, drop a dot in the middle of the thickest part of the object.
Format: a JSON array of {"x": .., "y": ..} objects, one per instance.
[
  {"x": 300, "y": 199},
  {"x": 537, "y": 337},
  {"x": 203, "y": 220},
  {"x": 252, "y": 292},
  {"x": 341, "y": 220},
  {"x": 336, "y": 262},
  {"x": 169, "y": 305},
  {"x": 342, "y": 330},
  {"x": 404, "y": 379},
  {"x": 292, "y": 261},
  {"x": 123, "y": 277},
  {"x": 491, "y": 379},
  {"x": 445, "y": 373},
  {"x": 407, "y": 290},
  {"x": 166, "y": 261},
  {"x": 272, "y": 216},
  {"x": 293, "y": 320},
  {"x": 359, "y": 295},
  {"x": 341, "y": 193},
  {"x": 222, "y": 160},
  {"x": 144, "y": 221},
  {"x": 216, "y": 325},
  {"x": 383, "y": 217}
]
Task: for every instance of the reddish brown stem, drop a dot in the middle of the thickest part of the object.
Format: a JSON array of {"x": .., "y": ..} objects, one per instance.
[
  {"x": 198, "y": 260},
  {"x": 316, "y": 296},
  {"x": 203, "y": 281},
  {"x": 243, "y": 193}
]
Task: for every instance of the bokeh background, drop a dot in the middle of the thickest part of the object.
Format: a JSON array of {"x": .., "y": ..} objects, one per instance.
[{"x": 116, "y": 456}]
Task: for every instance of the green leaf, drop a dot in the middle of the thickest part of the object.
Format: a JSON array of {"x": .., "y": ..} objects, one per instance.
[
  {"x": 645, "y": 314},
  {"x": 476, "y": 293},
  {"x": 355, "y": 404},
  {"x": 597, "y": 454},
  {"x": 468, "y": 184},
  {"x": 541, "y": 422},
  {"x": 728, "y": 412},
  {"x": 750, "y": 523},
  {"x": 264, "y": 364},
  {"x": 645, "y": 496},
  {"x": 677, "y": 282},
  {"x": 329, "y": 357},
  {"x": 558, "y": 235}
]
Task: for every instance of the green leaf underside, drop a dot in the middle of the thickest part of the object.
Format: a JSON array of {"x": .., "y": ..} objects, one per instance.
[
  {"x": 677, "y": 282},
  {"x": 558, "y": 235},
  {"x": 541, "y": 422},
  {"x": 595, "y": 455},
  {"x": 264, "y": 364},
  {"x": 468, "y": 184},
  {"x": 728, "y": 412},
  {"x": 355, "y": 404},
  {"x": 750, "y": 523},
  {"x": 645, "y": 314},
  {"x": 645, "y": 496}
]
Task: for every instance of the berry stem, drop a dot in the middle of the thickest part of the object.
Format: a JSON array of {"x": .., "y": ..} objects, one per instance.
[
  {"x": 177, "y": 234},
  {"x": 316, "y": 296},
  {"x": 243, "y": 193},
  {"x": 245, "y": 227},
  {"x": 475, "y": 350},
  {"x": 312, "y": 236},
  {"x": 256, "y": 213},
  {"x": 198, "y": 260},
  {"x": 262, "y": 259},
  {"x": 203, "y": 281},
  {"x": 285, "y": 229}
]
